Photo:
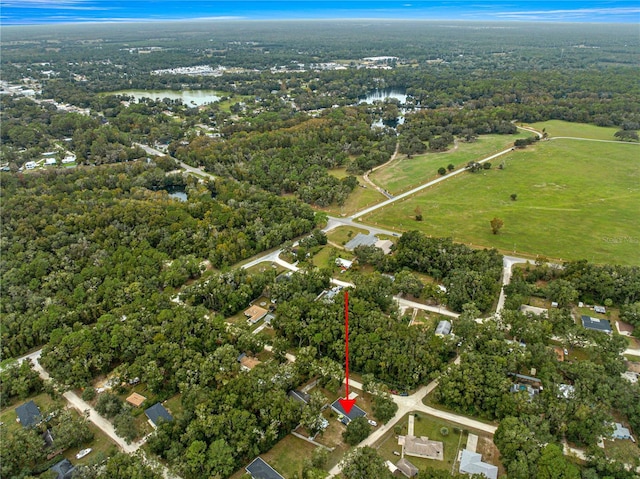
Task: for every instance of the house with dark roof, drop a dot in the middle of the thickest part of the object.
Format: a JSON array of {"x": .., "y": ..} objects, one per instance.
[
  {"x": 596, "y": 324},
  {"x": 355, "y": 412},
  {"x": 406, "y": 468},
  {"x": 361, "y": 240},
  {"x": 259, "y": 469},
  {"x": 28, "y": 414},
  {"x": 156, "y": 414},
  {"x": 471, "y": 463},
  {"x": 64, "y": 469}
]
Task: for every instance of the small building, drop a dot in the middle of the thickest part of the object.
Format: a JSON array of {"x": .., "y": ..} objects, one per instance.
[
  {"x": 136, "y": 399},
  {"x": 421, "y": 447},
  {"x": 156, "y": 414},
  {"x": 50, "y": 162},
  {"x": 406, "y": 468},
  {"x": 621, "y": 432},
  {"x": 361, "y": 240},
  {"x": 355, "y": 412},
  {"x": 64, "y": 469},
  {"x": 443, "y": 329},
  {"x": 28, "y": 414},
  {"x": 471, "y": 463},
  {"x": 247, "y": 363},
  {"x": 255, "y": 314},
  {"x": 299, "y": 396},
  {"x": 600, "y": 309},
  {"x": 259, "y": 469},
  {"x": 595, "y": 324},
  {"x": 344, "y": 263},
  {"x": 30, "y": 165},
  {"x": 391, "y": 466}
]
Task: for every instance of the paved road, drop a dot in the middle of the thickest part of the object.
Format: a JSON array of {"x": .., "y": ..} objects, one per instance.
[
  {"x": 190, "y": 169},
  {"x": 508, "y": 262}
]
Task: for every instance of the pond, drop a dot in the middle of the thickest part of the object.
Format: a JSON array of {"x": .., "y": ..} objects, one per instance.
[
  {"x": 382, "y": 95},
  {"x": 189, "y": 97},
  {"x": 177, "y": 192}
]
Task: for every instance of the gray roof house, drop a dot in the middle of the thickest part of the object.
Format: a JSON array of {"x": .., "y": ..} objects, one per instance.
[
  {"x": 158, "y": 413},
  {"x": 407, "y": 468},
  {"x": 444, "y": 328},
  {"x": 620, "y": 432},
  {"x": 361, "y": 240},
  {"x": 347, "y": 418},
  {"x": 259, "y": 469},
  {"x": 596, "y": 324},
  {"x": 471, "y": 463},
  {"x": 28, "y": 414},
  {"x": 64, "y": 469}
]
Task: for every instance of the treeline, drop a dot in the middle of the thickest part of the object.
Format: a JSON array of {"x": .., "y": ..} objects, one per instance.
[
  {"x": 295, "y": 159},
  {"x": 470, "y": 276},
  {"x": 80, "y": 243}
]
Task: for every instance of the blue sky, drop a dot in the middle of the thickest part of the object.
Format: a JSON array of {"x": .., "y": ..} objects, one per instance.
[{"x": 15, "y": 12}]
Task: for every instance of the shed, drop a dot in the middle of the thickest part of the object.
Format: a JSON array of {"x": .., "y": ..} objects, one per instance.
[
  {"x": 355, "y": 412},
  {"x": 157, "y": 413},
  {"x": 444, "y": 328},
  {"x": 259, "y": 469},
  {"x": 600, "y": 309},
  {"x": 136, "y": 399},
  {"x": 407, "y": 468},
  {"x": 344, "y": 263},
  {"x": 471, "y": 463},
  {"x": 596, "y": 324},
  {"x": 28, "y": 414},
  {"x": 64, "y": 469}
]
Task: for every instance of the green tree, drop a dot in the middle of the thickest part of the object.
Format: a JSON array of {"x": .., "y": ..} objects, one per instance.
[
  {"x": 356, "y": 431},
  {"x": 496, "y": 225},
  {"x": 553, "y": 464},
  {"x": 384, "y": 408},
  {"x": 365, "y": 463},
  {"x": 442, "y": 171}
]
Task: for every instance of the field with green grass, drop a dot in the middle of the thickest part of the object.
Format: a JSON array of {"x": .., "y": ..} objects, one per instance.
[
  {"x": 575, "y": 200},
  {"x": 343, "y": 234},
  {"x": 359, "y": 198},
  {"x": 576, "y": 130},
  {"x": 405, "y": 173}
]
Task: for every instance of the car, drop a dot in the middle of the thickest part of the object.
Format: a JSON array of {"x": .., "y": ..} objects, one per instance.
[
  {"x": 404, "y": 393},
  {"x": 566, "y": 352},
  {"x": 372, "y": 423},
  {"x": 396, "y": 453}
]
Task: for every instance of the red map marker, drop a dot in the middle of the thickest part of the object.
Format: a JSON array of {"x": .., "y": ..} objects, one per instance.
[{"x": 347, "y": 404}]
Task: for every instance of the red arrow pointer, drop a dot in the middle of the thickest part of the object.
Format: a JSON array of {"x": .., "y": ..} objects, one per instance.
[{"x": 346, "y": 403}]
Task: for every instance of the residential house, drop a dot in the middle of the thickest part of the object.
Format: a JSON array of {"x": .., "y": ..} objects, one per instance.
[
  {"x": 471, "y": 463},
  {"x": 259, "y": 469},
  {"x": 361, "y": 240},
  {"x": 344, "y": 263},
  {"x": 596, "y": 324},
  {"x": 247, "y": 363},
  {"x": 621, "y": 432},
  {"x": 355, "y": 412},
  {"x": 64, "y": 469},
  {"x": 421, "y": 447},
  {"x": 255, "y": 314},
  {"x": 156, "y": 414},
  {"x": 136, "y": 399},
  {"x": 28, "y": 414}
]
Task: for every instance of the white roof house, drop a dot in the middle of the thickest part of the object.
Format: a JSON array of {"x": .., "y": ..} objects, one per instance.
[
  {"x": 471, "y": 463},
  {"x": 344, "y": 263},
  {"x": 443, "y": 329}
]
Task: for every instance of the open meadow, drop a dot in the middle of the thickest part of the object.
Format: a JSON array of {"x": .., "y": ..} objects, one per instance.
[
  {"x": 576, "y": 130},
  {"x": 406, "y": 173},
  {"x": 575, "y": 199}
]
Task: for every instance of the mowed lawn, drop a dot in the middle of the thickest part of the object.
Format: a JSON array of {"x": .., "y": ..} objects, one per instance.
[
  {"x": 406, "y": 173},
  {"x": 576, "y": 130},
  {"x": 360, "y": 198},
  {"x": 576, "y": 199}
]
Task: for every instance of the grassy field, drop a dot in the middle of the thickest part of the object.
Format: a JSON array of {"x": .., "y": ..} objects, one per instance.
[
  {"x": 343, "y": 234},
  {"x": 405, "y": 173},
  {"x": 577, "y": 130},
  {"x": 8, "y": 415},
  {"x": 359, "y": 198},
  {"x": 622, "y": 450},
  {"x": 575, "y": 200}
]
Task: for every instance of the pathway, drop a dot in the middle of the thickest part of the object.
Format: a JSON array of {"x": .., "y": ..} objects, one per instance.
[{"x": 366, "y": 175}]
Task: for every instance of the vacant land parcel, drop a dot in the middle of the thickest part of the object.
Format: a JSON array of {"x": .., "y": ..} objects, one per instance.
[{"x": 575, "y": 199}]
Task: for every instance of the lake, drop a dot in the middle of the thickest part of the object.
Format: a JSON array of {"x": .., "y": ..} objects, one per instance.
[
  {"x": 189, "y": 97},
  {"x": 382, "y": 95}
]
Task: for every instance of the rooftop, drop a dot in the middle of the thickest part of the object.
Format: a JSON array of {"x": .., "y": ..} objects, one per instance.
[
  {"x": 422, "y": 447},
  {"x": 361, "y": 240},
  {"x": 136, "y": 399},
  {"x": 355, "y": 412},
  {"x": 158, "y": 413},
  {"x": 255, "y": 314},
  {"x": 259, "y": 469},
  {"x": 471, "y": 463},
  {"x": 596, "y": 324},
  {"x": 28, "y": 414}
]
